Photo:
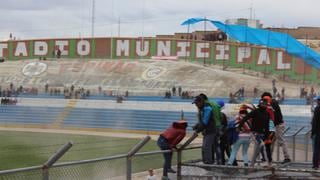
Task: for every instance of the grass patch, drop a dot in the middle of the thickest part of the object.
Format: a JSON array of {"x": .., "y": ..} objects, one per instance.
[{"x": 24, "y": 149}]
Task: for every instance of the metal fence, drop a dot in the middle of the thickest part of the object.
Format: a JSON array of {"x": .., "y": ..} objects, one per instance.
[{"x": 126, "y": 166}]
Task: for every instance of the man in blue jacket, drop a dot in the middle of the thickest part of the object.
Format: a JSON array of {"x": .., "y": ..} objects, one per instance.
[{"x": 206, "y": 125}]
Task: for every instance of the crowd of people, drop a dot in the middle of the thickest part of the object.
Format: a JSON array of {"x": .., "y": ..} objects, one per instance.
[
  {"x": 8, "y": 101},
  {"x": 222, "y": 138},
  {"x": 183, "y": 94}
]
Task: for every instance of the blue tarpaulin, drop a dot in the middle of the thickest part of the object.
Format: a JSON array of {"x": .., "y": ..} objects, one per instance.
[
  {"x": 265, "y": 38},
  {"x": 193, "y": 21}
]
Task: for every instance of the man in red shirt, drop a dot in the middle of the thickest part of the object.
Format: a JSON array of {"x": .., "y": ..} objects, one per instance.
[{"x": 168, "y": 141}]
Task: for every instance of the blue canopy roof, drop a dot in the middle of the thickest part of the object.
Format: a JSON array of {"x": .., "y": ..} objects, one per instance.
[{"x": 265, "y": 38}]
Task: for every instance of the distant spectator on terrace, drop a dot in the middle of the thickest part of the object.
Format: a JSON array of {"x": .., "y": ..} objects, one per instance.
[
  {"x": 58, "y": 53},
  {"x": 54, "y": 53},
  {"x": 99, "y": 89},
  {"x": 283, "y": 92},
  {"x": 173, "y": 90},
  {"x": 179, "y": 90},
  {"x": 275, "y": 90},
  {"x": 255, "y": 92},
  {"x": 72, "y": 88},
  {"x": 46, "y": 87},
  {"x": 167, "y": 94},
  {"x": 126, "y": 93},
  {"x": 273, "y": 83},
  {"x": 11, "y": 86},
  {"x": 20, "y": 89},
  {"x": 312, "y": 91},
  {"x": 120, "y": 99}
]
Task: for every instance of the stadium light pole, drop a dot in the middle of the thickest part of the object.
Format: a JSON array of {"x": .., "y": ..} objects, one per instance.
[{"x": 93, "y": 17}]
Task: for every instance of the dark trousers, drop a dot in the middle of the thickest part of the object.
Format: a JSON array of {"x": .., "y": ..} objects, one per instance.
[
  {"x": 316, "y": 151},
  {"x": 163, "y": 144},
  {"x": 225, "y": 148},
  {"x": 259, "y": 138}
]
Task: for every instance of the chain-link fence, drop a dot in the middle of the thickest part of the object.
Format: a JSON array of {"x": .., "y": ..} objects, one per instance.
[{"x": 127, "y": 166}]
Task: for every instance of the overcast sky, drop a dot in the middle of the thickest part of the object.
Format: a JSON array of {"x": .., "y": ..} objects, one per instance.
[{"x": 27, "y": 19}]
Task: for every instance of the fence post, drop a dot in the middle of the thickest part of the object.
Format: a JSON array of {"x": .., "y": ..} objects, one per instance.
[
  {"x": 294, "y": 144},
  {"x": 179, "y": 154},
  {"x": 179, "y": 159},
  {"x": 307, "y": 136},
  {"x": 134, "y": 150},
  {"x": 54, "y": 158}
]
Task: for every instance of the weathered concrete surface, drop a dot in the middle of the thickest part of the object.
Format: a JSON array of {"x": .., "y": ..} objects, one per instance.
[{"x": 142, "y": 77}]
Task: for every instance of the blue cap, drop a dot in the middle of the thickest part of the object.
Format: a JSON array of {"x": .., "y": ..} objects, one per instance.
[{"x": 220, "y": 103}]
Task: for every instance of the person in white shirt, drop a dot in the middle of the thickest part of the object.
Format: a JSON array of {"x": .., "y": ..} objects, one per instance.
[{"x": 151, "y": 175}]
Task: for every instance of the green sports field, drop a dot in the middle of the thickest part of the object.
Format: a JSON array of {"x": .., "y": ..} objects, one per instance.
[{"x": 25, "y": 149}]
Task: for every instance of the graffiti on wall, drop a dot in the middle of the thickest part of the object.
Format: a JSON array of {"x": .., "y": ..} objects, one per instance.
[{"x": 233, "y": 54}]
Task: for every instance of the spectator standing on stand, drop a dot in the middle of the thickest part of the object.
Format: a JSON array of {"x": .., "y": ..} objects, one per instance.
[
  {"x": 173, "y": 90},
  {"x": 179, "y": 90},
  {"x": 168, "y": 141},
  {"x": 58, "y": 53},
  {"x": 260, "y": 129},
  {"x": 209, "y": 123}
]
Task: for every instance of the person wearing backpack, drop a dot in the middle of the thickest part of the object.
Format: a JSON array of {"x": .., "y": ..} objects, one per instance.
[
  {"x": 206, "y": 125},
  {"x": 217, "y": 116},
  {"x": 243, "y": 138}
]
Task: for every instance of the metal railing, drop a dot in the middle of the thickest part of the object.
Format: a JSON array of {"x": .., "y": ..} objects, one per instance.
[{"x": 124, "y": 163}]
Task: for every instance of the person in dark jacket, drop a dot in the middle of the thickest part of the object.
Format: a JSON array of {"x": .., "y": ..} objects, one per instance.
[
  {"x": 278, "y": 124},
  {"x": 260, "y": 128},
  {"x": 206, "y": 125},
  {"x": 315, "y": 135},
  {"x": 168, "y": 141}
]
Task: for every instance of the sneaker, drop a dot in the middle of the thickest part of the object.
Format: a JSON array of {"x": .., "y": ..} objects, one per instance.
[
  {"x": 315, "y": 168},
  {"x": 171, "y": 171},
  {"x": 286, "y": 161}
]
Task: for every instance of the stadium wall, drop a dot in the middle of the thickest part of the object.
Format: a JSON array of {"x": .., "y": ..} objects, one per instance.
[{"x": 267, "y": 60}]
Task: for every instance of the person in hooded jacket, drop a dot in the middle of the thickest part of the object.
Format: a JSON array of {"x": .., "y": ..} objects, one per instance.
[
  {"x": 244, "y": 138},
  {"x": 168, "y": 140},
  {"x": 278, "y": 124},
  {"x": 206, "y": 125},
  {"x": 260, "y": 129}
]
